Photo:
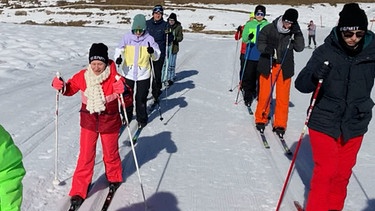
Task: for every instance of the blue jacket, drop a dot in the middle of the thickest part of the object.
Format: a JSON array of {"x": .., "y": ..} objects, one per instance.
[{"x": 157, "y": 30}]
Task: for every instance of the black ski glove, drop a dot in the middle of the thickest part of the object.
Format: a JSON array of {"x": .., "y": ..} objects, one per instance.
[
  {"x": 239, "y": 28},
  {"x": 270, "y": 49},
  {"x": 295, "y": 29},
  {"x": 150, "y": 50},
  {"x": 119, "y": 60},
  {"x": 251, "y": 36},
  {"x": 323, "y": 72}
]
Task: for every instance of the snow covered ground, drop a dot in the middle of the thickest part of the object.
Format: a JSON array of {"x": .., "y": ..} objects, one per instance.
[{"x": 204, "y": 155}]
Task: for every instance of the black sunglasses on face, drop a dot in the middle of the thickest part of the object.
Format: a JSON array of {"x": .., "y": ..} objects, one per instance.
[{"x": 349, "y": 34}]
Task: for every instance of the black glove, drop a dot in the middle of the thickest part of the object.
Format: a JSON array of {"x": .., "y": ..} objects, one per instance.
[
  {"x": 168, "y": 30},
  {"x": 239, "y": 28},
  {"x": 251, "y": 36},
  {"x": 295, "y": 28},
  {"x": 119, "y": 60},
  {"x": 269, "y": 50},
  {"x": 175, "y": 42},
  {"x": 150, "y": 50},
  {"x": 323, "y": 72}
]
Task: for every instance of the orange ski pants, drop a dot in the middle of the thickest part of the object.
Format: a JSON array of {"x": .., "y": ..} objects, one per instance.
[
  {"x": 85, "y": 165},
  {"x": 333, "y": 164},
  {"x": 282, "y": 88}
]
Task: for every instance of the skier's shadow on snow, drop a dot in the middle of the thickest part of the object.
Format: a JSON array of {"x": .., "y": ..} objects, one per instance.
[
  {"x": 304, "y": 163},
  {"x": 370, "y": 205},
  {"x": 146, "y": 149},
  {"x": 161, "y": 201},
  {"x": 167, "y": 102}
]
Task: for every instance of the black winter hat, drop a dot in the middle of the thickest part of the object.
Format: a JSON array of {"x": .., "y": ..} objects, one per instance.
[
  {"x": 173, "y": 16},
  {"x": 352, "y": 18},
  {"x": 290, "y": 15},
  {"x": 98, "y": 51},
  {"x": 260, "y": 8}
]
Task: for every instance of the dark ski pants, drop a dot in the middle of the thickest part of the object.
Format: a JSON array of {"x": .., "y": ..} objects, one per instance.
[
  {"x": 156, "y": 81},
  {"x": 249, "y": 79},
  {"x": 141, "y": 94},
  {"x": 313, "y": 38},
  {"x": 333, "y": 163}
]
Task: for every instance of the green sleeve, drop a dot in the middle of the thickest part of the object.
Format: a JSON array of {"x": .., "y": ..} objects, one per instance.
[{"x": 11, "y": 173}]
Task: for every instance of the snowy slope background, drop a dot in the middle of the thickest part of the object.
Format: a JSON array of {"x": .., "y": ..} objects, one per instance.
[{"x": 204, "y": 155}]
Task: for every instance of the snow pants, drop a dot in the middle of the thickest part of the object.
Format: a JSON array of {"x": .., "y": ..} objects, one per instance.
[
  {"x": 141, "y": 93},
  {"x": 265, "y": 98},
  {"x": 333, "y": 163},
  {"x": 156, "y": 80},
  {"x": 85, "y": 165},
  {"x": 249, "y": 78}
]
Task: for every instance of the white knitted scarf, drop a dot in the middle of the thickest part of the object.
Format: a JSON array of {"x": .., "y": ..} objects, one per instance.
[{"x": 94, "y": 92}]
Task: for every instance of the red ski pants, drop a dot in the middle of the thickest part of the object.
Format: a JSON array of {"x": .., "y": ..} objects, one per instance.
[
  {"x": 85, "y": 165},
  {"x": 333, "y": 163},
  {"x": 282, "y": 98}
]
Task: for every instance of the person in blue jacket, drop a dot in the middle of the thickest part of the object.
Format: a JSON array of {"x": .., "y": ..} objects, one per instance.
[
  {"x": 158, "y": 28},
  {"x": 11, "y": 173}
]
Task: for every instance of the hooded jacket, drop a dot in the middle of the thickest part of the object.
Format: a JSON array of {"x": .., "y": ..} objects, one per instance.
[
  {"x": 270, "y": 35},
  {"x": 343, "y": 106},
  {"x": 11, "y": 173}
]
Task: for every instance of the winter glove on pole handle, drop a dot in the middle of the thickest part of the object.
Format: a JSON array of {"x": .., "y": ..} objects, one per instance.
[
  {"x": 150, "y": 49},
  {"x": 58, "y": 83},
  {"x": 119, "y": 60},
  {"x": 323, "y": 72}
]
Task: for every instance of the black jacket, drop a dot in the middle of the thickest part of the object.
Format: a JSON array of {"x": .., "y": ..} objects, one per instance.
[
  {"x": 269, "y": 35},
  {"x": 344, "y": 105}
]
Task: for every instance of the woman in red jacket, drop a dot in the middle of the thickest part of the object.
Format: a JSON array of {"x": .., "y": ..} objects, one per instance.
[{"x": 100, "y": 85}]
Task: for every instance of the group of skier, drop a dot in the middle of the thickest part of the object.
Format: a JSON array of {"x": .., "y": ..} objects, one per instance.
[
  {"x": 143, "y": 55},
  {"x": 340, "y": 74}
]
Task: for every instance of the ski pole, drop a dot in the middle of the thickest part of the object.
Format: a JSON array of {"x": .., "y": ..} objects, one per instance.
[
  {"x": 273, "y": 83},
  {"x": 56, "y": 180},
  {"x": 121, "y": 97},
  {"x": 234, "y": 67},
  {"x": 243, "y": 72},
  {"x": 300, "y": 141},
  {"x": 153, "y": 77}
]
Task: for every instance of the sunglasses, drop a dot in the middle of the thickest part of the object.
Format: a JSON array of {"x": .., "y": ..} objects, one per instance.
[
  {"x": 259, "y": 14},
  {"x": 137, "y": 31},
  {"x": 349, "y": 34}
]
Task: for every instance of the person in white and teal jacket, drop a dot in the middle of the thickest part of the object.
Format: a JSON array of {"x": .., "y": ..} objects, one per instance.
[{"x": 11, "y": 173}]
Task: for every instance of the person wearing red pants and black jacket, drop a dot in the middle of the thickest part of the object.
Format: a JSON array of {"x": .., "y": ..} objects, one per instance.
[
  {"x": 100, "y": 85},
  {"x": 343, "y": 108}
]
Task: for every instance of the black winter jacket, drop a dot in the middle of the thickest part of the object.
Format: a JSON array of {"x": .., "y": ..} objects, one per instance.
[
  {"x": 343, "y": 106},
  {"x": 269, "y": 35}
]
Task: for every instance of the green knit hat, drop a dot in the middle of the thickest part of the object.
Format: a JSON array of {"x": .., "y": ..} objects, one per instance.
[{"x": 139, "y": 22}]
